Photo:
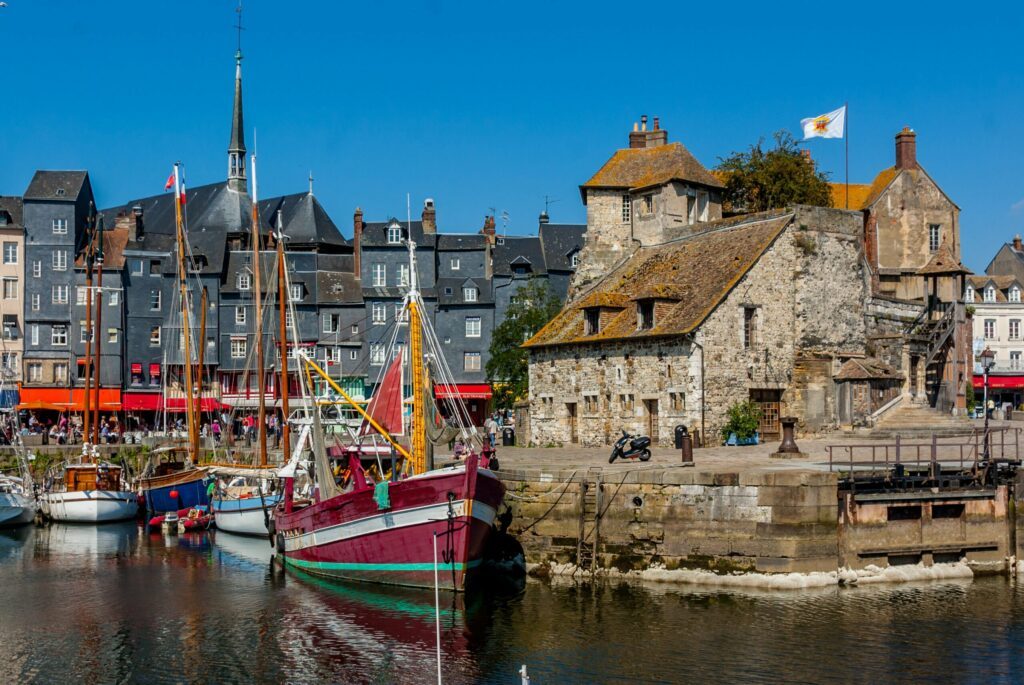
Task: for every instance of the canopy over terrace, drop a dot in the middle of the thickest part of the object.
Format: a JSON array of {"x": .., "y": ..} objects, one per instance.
[{"x": 68, "y": 399}]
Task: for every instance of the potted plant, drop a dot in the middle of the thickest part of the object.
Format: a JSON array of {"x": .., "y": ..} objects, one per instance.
[{"x": 741, "y": 428}]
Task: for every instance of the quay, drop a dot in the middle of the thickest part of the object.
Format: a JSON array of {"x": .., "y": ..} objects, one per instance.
[{"x": 738, "y": 510}]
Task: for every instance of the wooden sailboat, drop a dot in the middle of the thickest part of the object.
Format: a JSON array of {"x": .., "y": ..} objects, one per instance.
[{"x": 402, "y": 528}]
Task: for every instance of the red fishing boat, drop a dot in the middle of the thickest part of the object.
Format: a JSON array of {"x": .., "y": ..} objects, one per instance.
[{"x": 407, "y": 525}]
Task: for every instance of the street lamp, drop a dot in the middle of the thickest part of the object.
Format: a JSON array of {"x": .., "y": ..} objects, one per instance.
[{"x": 988, "y": 358}]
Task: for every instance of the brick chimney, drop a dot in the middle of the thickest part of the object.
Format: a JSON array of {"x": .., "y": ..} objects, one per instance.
[
  {"x": 906, "y": 149},
  {"x": 640, "y": 137},
  {"x": 429, "y": 216},
  {"x": 806, "y": 154},
  {"x": 1017, "y": 246},
  {"x": 357, "y": 240},
  {"x": 489, "y": 229},
  {"x": 135, "y": 227}
]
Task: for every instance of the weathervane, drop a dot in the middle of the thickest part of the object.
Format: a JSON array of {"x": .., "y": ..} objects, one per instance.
[{"x": 238, "y": 11}]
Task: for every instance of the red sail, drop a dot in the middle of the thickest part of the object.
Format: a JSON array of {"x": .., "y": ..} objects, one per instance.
[{"x": 386, "y": 404}]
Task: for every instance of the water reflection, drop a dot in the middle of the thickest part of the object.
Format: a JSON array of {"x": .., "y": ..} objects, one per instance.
[{"x": 120, "y": 603}]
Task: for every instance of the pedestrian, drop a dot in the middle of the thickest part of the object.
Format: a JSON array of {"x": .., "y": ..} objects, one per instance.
[
  {"x": 492, "y": 430},
  {"x": 216, "y": 431}
]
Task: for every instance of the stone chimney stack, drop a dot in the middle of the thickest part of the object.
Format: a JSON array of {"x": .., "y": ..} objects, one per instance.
[
  {"x": 1017, "y": 246},
  {"x": 135, "y": 228},
  {"x": 906, "y": 149},
  {"x": 357, "y": 240},
  {"x": 640, "y": 137},
  {"x": 489, "y": 229},
  {"x": 429, "y": 217}
]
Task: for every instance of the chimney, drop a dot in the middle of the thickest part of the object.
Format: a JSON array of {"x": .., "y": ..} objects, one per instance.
[
  {"x": 429, "y": 216},
  {"x": 488, "y": 229},
  {"x": 135, "y": 228},
  {"x": 1017, "y": 246},
  {"x": 906, "y": 149},
  {"x": 357, "y": 240},
  {"x": 806, "y": 154},
  {"x": 640, "y": 137},
  {"x": 543, "y": 218}
]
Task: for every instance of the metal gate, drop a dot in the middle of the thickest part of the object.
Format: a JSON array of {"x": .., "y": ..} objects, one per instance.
[{"x": 770, "y": 402}]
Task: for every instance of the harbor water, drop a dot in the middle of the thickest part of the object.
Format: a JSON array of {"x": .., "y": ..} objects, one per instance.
[{"x": 113, "y": 603}]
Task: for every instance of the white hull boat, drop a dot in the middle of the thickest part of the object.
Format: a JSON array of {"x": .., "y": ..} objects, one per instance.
[
  {"x": 91, "y": 506},
  {"x": 16, "y": 509},
  {"x": 244, "y": 516}
]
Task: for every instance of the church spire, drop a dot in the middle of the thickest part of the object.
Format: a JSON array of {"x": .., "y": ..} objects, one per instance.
[{"x": 236, "y": 148}]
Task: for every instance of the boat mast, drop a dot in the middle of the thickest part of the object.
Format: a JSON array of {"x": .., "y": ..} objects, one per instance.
[
  {"x": 282, "y": 300},
  {"x": 87, "y": 400},
  {"x": 201, "y": 349},
  {"x": 190, "y": 413},
  {"x": 418, "y": 429},
  {"x": 98, "y": 261},
  {"x": 257, "y": 267}
]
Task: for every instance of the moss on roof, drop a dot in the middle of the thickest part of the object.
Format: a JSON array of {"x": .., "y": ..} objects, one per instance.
[{"x": 645, "y": 167}]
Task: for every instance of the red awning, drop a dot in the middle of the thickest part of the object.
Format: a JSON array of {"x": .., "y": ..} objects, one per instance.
[
  {"x": 74, "y": 400},
  {"x": 136, "y": 368},
  {"x": 207, "y": 404},
  {"x": 1015, "y": 382},
  {"x": 147, "y": 401},
  {"x": 465, "y": 391},
  {"x": 154, "y": 369}
]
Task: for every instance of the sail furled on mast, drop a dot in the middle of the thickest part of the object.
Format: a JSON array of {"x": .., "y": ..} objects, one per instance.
[{"x": 386, "y": 404}]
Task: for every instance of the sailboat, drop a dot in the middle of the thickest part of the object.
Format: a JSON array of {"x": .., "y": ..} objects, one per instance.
[
  {"x": 415, "y": 528},
  {"x": 173, "y": 480},
  {"x": 244, "y": 505},
  {"x": 17, "y": 506}
]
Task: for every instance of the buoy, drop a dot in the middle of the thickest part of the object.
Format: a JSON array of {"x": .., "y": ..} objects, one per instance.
[{"x": 174, "y": 494}]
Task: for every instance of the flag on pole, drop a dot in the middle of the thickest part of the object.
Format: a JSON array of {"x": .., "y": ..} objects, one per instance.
[
  {"x": 181, "y": 197},
  {"x": 170, "y": 181},
  {"x": 831, "y": 125}
]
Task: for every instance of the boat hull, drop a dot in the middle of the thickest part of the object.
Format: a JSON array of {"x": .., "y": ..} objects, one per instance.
[
  {"x": 190, "y": 486},
  {"x": 349, "y": 538},
  {"x": 16, "y": 509},
  {"x": 244, "y": 516},
  {"x": 91, "y": 506}
]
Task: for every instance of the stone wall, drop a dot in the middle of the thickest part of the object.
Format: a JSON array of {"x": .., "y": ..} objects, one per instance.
[{"x": 609, "y": 239}]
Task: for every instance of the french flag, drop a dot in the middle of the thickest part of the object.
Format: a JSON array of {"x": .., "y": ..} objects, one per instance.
[{"x": 170, "y": 184}]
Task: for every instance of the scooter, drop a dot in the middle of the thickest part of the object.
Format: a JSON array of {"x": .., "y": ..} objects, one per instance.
[{"x": 637, "y": 448}]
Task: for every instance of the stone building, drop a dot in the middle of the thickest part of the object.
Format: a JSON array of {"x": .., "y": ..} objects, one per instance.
[{"x": 836, "y": 317}]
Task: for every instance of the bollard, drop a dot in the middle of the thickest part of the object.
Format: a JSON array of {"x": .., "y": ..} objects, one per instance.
[
  {"x": 788, "y": 448},
  {"x": 687, "y": 449}
]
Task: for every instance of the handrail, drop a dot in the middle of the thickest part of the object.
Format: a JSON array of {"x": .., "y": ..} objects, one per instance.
[{"x": 884, "y": 456}]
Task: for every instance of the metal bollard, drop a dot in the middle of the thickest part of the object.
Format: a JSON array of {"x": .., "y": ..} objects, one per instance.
[{"x": 687, "y": 450}]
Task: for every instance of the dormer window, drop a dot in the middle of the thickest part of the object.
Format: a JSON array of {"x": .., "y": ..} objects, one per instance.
[
  {"x": 574, "y": 260},
  {"x": 295, "y": 292},
  {"x": 990, "y": 294},
  {"x": 645, "y": 315},
  {"x": 969, "y": 294},
  {"x": 592, "y": 321},
  {"x": 394, "y": 234},
  {"x": 469, "y": 294},
  {"x": 244, "y": 282},
  {"x": 1015, "y": 294}
]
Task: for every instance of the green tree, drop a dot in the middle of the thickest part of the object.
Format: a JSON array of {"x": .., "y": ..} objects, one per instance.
[
  {"x": 532, "y": 306},
  {"x": 760, "y": 179}
]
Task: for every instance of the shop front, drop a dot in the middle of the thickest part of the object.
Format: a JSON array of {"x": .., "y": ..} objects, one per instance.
[{"x": 474, "y": 397}]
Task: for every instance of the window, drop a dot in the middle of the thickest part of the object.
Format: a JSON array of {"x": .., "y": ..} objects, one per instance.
[
  {"x": 469, "y": 294},
  {"x": 1014, "y": 329},
  {"x": 35, "y": 302},
  {"x": 59, "y": 294},
  {"x": 60, "y": 373},
  {"x": 35, "y": 333},
  {"x": 136, "y": 267},
  {"x": 244, "y": 281},
  {"x": 627, "y": 209},
  {"x": 677, "y": 401},
  {"x": 111, "y": 335},
  {"x": 1015, "y": 360},
  {"x": 691, "y": 206},
  {"x": 295, "y": 291},
  {"x": 592, "y": 322},
  {"x": 239, "y": 315},
  {"x": 472, "y": 326},
  {"x": 376, "y": 354},
  {"x": 645, "y": 314},
  {"x": 648, "y": 204},
  {"x": 9, "y": 361},
  {"x": 1014, "y": 294},
  {"x": 37, "y": 268},
  {"x": 10, "y": 326},
  {"x": 471, "y": 361},
  {"x": 289, "y": 322},
  {"x": 403, "y": 275},
  {"x": 394, "y": 234},
  {"x": 353, "y": 354},
  {"x": 379, "y": 314},
  {"x": 59, "y": 335},
  {"x": 401, "y": 315},
  {"x": 990, "y": 294},
  {"x": 154, "y": 267},
  {"x": 10, "y": 288},
  {"x": 330, "y": 323},
  {"x": 380, "y": 275},
  {"x": 934, "y": 237},
  {"x": 626, "y": 402},
  {"x": 35, "y": 372},
  {"x": 574, "y": 260},
  {"x": 59, "y": 260},
  {"x": 590, "y": 404},
  {"x": 154, "y": 300},
  {"x": 80, "y": 295},
  {"x": 10, "y": 253},
  {"x": 83, "y": 335},
  {"x": 702, "y": 205},
  {"x": 60, "y": 226},
  {"x": 115, "y": 298},
  {"x": 355, "y": 328},
  {"x": 154, "y": 336},
  {"x": 990, "y": 329},
  {"x": 238, "y": 348},
  {"x": 969, "y": 294},
  {"x": 749, "y": 327},
  {"x": 456, "y": 264}
]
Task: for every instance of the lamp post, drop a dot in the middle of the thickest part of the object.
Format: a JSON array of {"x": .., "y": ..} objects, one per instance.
[{"x": 987, "y": 362}]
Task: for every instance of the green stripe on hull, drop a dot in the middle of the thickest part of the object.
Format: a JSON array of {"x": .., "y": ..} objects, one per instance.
[{"x": 347, "y": 566}]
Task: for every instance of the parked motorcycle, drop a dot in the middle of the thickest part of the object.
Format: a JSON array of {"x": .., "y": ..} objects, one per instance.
[{"x": 631, "y": 447}]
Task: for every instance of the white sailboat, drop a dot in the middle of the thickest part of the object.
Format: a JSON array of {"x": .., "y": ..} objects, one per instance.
[
  {"x": 90, "y": 493},
  {"x": 17, "y": 505}
]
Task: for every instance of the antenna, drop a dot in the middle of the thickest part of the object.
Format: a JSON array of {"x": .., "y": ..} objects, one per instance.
[
  {"x": 408, "y": 216},
  {"x": 548, "y": 201},
  {"x": 238, "y": 11},
  {"x": 310, "y": 181}
]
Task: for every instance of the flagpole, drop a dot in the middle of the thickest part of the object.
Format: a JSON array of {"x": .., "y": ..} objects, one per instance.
[{"x": 846, "y": 138}]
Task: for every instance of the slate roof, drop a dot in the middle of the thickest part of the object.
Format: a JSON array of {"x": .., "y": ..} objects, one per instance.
[
  {"x": 335, "y": 262},
  {"x": 558, "y": 242},
  {"x": 305, "y": 220},
  {"x": 375, "y": 234},
  {"x": 867, "y": 368},
  {"x": 46, "y": 185},
  {"x": 461, "y": 241},
  {"x": 338, "y": 287},
  {"x": 13, "y": 206},
  {"x": 697, "y": 273},
  {"x": 645, "y": 167},
  {"x": 456, "y": 285},
  {"x": 521, "y": 250},
  {"x": 241, "y": 260}
]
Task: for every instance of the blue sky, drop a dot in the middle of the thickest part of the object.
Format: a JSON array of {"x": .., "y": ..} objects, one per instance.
[{"x": 483, "y": 105}]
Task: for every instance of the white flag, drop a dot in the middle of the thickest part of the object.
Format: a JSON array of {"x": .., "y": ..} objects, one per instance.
[{"x": 831, "y": 125}]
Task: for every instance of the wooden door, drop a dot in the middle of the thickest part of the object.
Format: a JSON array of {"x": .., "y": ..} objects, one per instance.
[
  {"x": 574, "y": 435},
  {"x": 652, "y": 420},
  {"x": 770, "y": 402}
]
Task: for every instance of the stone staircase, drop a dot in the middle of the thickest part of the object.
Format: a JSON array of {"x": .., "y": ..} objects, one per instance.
[{"x": 920, "y": 421}]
